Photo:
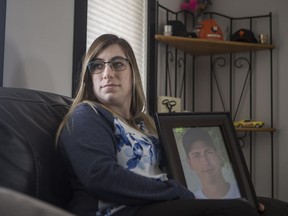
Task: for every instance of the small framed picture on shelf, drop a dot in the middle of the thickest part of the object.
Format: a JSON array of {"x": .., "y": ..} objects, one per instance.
[{"x": 202, "y": 152}]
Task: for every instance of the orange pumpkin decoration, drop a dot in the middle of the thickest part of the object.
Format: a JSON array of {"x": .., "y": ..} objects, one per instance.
[{"x": 209, "y": 29}]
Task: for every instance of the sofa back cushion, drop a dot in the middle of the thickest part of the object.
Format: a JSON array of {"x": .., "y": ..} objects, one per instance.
[{"x": 28, "y": 158}]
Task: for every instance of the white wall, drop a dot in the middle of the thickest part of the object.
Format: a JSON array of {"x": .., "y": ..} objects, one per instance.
[
  {"x": 39, "y": 45},
  {"x": 173, "y": 5}
]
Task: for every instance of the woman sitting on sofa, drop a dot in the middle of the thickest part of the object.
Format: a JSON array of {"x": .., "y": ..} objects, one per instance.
[{"x": 110, "y": 145}]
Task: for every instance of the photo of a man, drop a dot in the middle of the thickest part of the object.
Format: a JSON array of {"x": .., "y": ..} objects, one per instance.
[{"x": 207, "y": 162}]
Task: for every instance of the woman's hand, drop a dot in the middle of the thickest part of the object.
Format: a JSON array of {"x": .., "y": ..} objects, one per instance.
[{"x": 261, "y": 208}]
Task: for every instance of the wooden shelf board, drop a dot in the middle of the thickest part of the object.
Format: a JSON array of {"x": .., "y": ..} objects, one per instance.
[
  {"x": 202, "y": 47},
  {"x": 238, "y": 129}
]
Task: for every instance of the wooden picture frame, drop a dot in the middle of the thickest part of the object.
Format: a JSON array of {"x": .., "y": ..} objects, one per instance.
[{"x": 178, "y": 130}]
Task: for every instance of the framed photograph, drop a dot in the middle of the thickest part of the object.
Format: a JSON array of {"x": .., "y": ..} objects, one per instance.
[{"x": 202, "y": 152}]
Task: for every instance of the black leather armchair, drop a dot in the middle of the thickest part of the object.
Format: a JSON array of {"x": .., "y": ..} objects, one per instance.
[
  {"x": 28, "y": 160},
  {"x": 29, "y": 163}
]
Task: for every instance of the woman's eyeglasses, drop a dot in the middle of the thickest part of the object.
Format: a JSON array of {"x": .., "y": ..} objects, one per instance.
[{"x": 98, "y": 66}]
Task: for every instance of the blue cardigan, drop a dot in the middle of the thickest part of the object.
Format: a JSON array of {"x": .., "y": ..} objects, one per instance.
[{"x": 88, "y": 145}]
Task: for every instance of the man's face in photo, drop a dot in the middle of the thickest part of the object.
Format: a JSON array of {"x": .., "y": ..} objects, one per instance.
[{"x": 205, "y": 161}]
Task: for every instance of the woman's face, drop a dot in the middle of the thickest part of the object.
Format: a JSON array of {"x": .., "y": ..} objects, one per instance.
[{"x": 113, "y": 88}]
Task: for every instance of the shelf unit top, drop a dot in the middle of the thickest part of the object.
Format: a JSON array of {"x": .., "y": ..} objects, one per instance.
[{"x": 202, "y": 47}]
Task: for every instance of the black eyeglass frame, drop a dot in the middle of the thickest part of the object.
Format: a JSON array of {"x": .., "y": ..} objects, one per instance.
[{"x": 109, "y": 64}]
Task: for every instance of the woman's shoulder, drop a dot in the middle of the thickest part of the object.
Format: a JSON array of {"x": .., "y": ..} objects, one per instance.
[
  {"x": 87, "y": 107},
  {"x": 88, "y": 111},
  {"x": 88, "y": 116}
]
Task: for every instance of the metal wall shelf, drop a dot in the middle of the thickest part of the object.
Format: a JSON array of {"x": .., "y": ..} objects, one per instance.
[
  {"x": 255, "y": 129},
  {"x": 204, "y": 47},
  {"x": 178, "y": 66}
]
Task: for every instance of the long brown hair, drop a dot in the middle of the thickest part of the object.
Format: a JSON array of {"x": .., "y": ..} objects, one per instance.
[{"x": 85, "y": 93}]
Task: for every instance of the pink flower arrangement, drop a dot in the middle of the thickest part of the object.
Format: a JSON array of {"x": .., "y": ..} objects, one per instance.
[{"x": 195, "y": 6}]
